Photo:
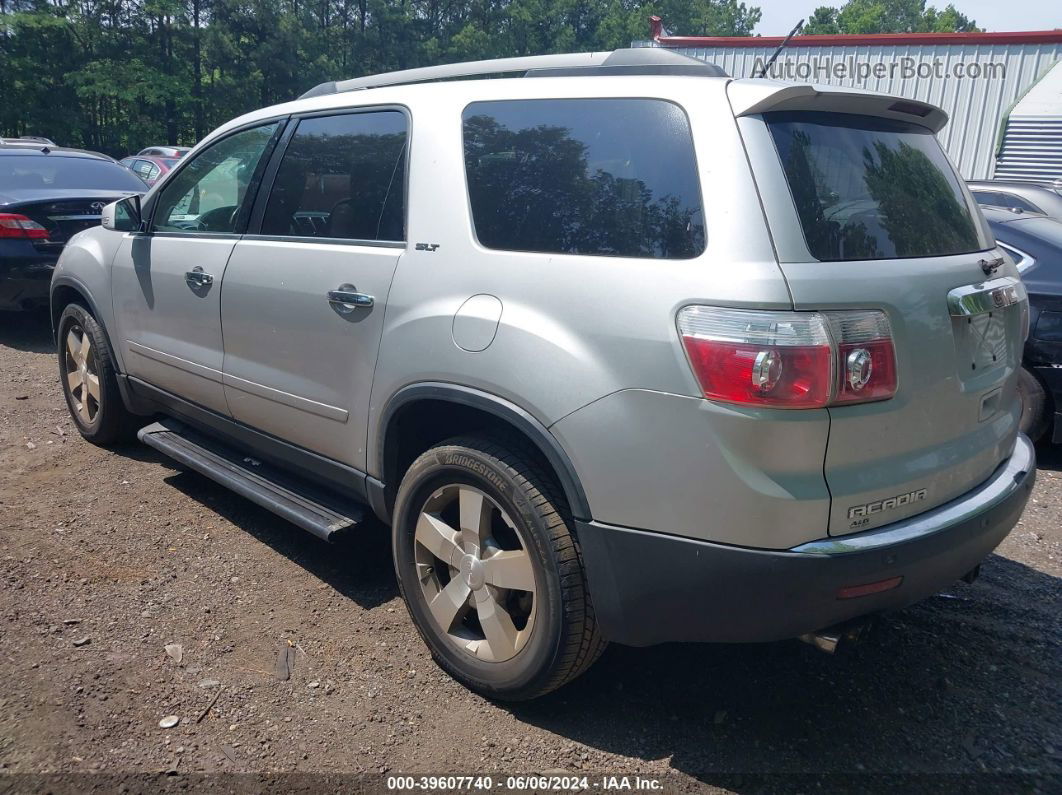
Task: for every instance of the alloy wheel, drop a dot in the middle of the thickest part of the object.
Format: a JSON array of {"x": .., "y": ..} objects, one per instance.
[
  {"x": 82, "y": 378},
  {"x": 475, "y": 573}
]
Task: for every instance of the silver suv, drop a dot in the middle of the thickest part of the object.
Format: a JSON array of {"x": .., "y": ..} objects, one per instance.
[{"x": 621, "y": 348}]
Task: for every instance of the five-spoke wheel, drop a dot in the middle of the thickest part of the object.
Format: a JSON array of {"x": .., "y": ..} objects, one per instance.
[
  {"x": 490, "y": 570},
  {"x": 475, "y": 573},
  {"x": 89, "y": 379},
  {"x": 82, "y": 380}
]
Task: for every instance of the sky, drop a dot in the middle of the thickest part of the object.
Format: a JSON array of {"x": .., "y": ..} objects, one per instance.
[{"x": 779, "y": 16}]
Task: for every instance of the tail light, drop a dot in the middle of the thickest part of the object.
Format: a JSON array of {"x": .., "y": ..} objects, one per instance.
[
  {"x": 15, "y": 225},
  {"x": 865, "y": 356},
  {"x": 789, "y": 359}
]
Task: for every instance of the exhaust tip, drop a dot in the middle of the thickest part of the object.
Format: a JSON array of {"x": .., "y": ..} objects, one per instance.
[{"x": 839, "y": 636}]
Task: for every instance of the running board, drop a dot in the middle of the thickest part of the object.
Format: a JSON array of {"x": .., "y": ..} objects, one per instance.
[{"x": 301, "y": 503}]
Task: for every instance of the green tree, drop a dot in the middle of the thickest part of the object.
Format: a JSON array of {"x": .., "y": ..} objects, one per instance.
[
  {"x": 117, "y": 75},
  {"x": 888, "y": 16}
]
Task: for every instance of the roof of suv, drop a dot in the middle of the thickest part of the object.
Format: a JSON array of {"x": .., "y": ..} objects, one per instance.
[
  {"x": 582, "y": 73},
  {"x": 630, "y": 61}
]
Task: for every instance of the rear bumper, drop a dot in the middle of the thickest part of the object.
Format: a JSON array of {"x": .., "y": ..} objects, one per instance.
[
  {"x": 25, "y": 280},
  {"x": 649, "y": 588}
]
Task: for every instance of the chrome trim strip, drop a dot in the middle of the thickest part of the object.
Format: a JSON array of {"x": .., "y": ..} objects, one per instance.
[
  {"x": 74, "y": 217},
  {"x": 1006, "y": 480},
  {"x": 286, "y": 398},
  {"x": 200, "y": 370},
  {"x": 341, "y": 241},
  {"x": 1024, "y": 260},
  {"x": 976, "y": 299}
]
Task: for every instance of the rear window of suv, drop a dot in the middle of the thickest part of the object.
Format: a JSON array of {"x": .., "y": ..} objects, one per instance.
[
  {"x": 56, "y": 172},
  {"x": 610, "y": 177},
  {"x": 871, "y": 188}
]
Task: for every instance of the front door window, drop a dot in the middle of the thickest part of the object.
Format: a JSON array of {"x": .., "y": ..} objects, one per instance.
[{"x": 210, "y": 193}]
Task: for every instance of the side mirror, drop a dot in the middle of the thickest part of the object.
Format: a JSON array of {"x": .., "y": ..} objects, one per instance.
[{"x": 122, "y": 215}]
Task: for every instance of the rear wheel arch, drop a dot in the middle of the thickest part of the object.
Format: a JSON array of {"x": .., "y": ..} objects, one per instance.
[{"x": 421, "y": 415}]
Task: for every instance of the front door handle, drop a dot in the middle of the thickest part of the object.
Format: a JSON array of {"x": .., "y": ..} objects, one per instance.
[
  {"x": 346, "y": 299},
  {"x": 196, "y": 278}
]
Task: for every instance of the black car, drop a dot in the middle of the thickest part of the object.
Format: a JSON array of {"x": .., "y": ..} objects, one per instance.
[
  {"x": 48, "y": 194},
  {"x": 1035, "y": 244}
]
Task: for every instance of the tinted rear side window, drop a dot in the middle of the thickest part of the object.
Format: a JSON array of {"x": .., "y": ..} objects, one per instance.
[
  {"x": 589, "y": 176},
  {"x": 342, "y": 177},
  {"x": 870, "y": 188}
]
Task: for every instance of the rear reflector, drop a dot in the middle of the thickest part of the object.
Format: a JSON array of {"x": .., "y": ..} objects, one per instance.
[
  {"x": 854, "y": 591},
  {"x": 793, "y": 360},
  {"x": 15, "y": 225}
]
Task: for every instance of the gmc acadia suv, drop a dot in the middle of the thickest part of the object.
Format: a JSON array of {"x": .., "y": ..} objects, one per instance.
[{"x": 621, "y": 348}]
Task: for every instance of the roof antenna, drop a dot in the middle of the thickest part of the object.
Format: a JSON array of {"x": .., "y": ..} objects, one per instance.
[{"x": 767, "y": 66}]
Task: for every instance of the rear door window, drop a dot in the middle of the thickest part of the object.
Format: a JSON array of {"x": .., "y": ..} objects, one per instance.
[
  {"x": 871, "y": 188},
  {"x": 342, "y": 177},
  {"x": 611, "y": 177}
]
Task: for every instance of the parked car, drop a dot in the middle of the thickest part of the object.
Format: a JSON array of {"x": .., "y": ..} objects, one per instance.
[
  {"x": 643, "y": 376},
  {"x": 28, "y": 139},
  {"x": 1034, "y": 242},
  {"x": 164, "y": 151},
  {"x": 150, "y": 169},
  {"x": 1022, "y": 197},
  {"x": 47, "y": 195}
]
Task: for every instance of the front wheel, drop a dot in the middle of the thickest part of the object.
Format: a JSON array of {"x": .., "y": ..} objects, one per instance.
[
  {"x": 490, "y": 571},
  {"x": 90, "y": 384}
]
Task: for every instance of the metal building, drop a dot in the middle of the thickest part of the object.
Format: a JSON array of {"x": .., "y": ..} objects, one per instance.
[{"x": 1002, "y": 91}]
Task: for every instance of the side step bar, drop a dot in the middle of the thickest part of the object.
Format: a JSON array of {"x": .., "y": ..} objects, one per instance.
[{"x": 302, "y": 504}]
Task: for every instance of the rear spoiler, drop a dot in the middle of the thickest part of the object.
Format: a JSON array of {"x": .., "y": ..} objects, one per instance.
[{"x": 752, "y": 96}]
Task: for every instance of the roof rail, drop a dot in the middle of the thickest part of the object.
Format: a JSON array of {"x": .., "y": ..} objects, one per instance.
[{"x": 631, "y": 61}]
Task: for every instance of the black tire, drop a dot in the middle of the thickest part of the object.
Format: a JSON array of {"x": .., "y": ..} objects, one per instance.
[
  {"x": 110, "y": 422},
  {"x": 1035, "y": 414},
  {"x": 564, "y": 640}
]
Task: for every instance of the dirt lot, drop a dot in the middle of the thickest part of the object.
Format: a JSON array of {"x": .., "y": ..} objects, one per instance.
[{"x": 108, "y": 556}]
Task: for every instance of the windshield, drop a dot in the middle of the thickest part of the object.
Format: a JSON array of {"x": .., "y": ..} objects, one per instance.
[
  {"x": 36, "y": 172},
  {"x": 871, "y": 188}
]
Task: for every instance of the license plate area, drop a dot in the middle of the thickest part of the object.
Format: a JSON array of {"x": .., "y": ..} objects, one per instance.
[
  {"x": 985, "y": 318},
  {"x": 982, "y": 342}
]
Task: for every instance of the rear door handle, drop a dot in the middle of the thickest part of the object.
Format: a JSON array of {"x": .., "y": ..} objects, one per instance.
[
  {"x": 346, "y": 299},
  {"x": 196, "y": 278}
]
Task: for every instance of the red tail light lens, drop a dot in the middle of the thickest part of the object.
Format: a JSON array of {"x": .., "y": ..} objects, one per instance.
[
  {"x": 865, "y": 355},
  {"x": 15, "y": 225},
  {"x": 781, "y": 359},
  {"x": 789, "y": 359}
]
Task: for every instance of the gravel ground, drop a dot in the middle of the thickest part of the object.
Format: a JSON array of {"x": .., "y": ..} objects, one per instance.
[{"x": 106, "y": 557}]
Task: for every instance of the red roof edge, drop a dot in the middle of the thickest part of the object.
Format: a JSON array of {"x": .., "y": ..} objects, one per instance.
[{"x": 880, "y": 39}]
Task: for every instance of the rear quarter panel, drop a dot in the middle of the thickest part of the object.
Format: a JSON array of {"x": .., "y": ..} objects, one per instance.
[{"x": 573, "y": 328}]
